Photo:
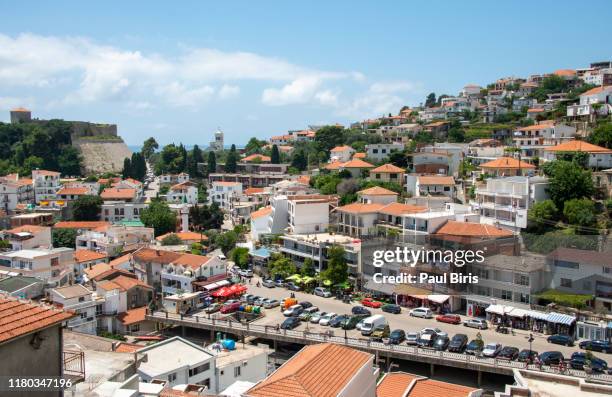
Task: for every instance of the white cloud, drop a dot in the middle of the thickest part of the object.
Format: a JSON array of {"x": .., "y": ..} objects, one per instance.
[
  {"x": 299, "y": 90},
  {"x": 229, "y": 91},
  {"x": 327, "y": 98},
  {"x": 380, "y": 98}
]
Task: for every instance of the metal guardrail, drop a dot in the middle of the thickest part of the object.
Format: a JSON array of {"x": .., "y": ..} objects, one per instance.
[{"x": 410, "y": 352}]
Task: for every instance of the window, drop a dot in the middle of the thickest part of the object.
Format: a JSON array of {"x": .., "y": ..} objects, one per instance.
[
  {"x": 172, "y": 377},
  {"x": 236, "y": 372},
  {"x": 506, "y": 295},
  {"x": 565, "y": 264},
  {"x": 521, "y": 279},
  {"x": 135, "y": 328},
  {"x": 199, "y": 369},
  {"x": 566, "y": 282}
]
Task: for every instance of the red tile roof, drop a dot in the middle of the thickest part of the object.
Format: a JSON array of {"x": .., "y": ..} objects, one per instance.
[
  {"x": 436, "y": 180},
  {"x": 254, "y": 157},
  {"x": 20, "y": 318},
  {"x": 341, "y": 149},
  {"x": 33, "y": 229},
  {"x": 321, "y": 370},
  {"x": 80, "y": 224},
  {"x": 388, "y": 168},
  {"x": 265, "y": 211},
  {"x": 253, "y": 190},
  {"x": 359, "y": 155},
  {"x": 436, "y": 388},
  {"x": 183, "y": 186},
  {"x": 155, "y": 256},
  {"x": 398, "y": 209},
  {"x": 394, "y": 384},
  {"x": 377, "y": 191},
  {"x": 81, "y": 256},
  {"x": 565, "y": 72},
  {"x": 112, "y": 193},
  {"x": 133, "y": 316},
  {"x": 596, "y": 90},
  {"x": 184, "y": 236},
  {"x": 304, "y": 179},
  {"x": 470, "y": 229},
  {"x": 357, "y": 163},
  {"x": 46, "y": 173},
  {"x": 124, "y": 347},
  {"x": 506, "y": 163},
  {"x": 120, "y": 260},
  {"x": 360, "y": 208},
  {"x": 578, "y": 146},
  {"x": 74, "y": 191}
]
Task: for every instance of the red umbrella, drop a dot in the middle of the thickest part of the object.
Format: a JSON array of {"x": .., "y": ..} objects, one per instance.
[{"x": 220, "y": 292}]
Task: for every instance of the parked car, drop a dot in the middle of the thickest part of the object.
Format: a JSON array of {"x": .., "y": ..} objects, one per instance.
[
  {"x": 229, "y": 307},
  {"x": 293, "y": 311},
  {"x": 561, "y": 339},
  {"x": 305, "y": 304},
  {"x": 457, "y": 343},
  {"x": 491, "y": 349},
  {"x": 325, "y": 319},
  {"x": 316, "y": 317},
  {"x": 509, "y": 353},
  {"x": 360, "y": 310},
  {"x": 270, "y": 303},
  {"x": 258, "y": 301},
  {"x": 380, "y": 332},
  {"x": 527, "y": 355},
  {"x": 551, "y": 358},
  {"x": 307, "y": 313},
  {"x": 292, "y": 286},
  {"x": 268, "y": 283},
  {"x": 280, "y": 283},
  {"x": 436, "y": 331},
  {"x": 251, "y": 299},
  {"x": 391, "y": 308},
  {"x": 579, "y": 361},
  {"x": 245, "y": 298},
  {"x": 369, "y": 302},
  {"x": 290, "y": 323},
  {"x": 397, "y": 336},
  {"x": 474, "y": 347},
  {"x": 337, "y": 321},
  {"x": 427, "y": 338},
  {"x": 441, "y": 343},
  {"x": 351, "y": 321},
  {"x": 422, "y": 312},
  {"x": 246, "y": 272},
  {"x": 213, "y": 308},
  {"x": 322, "y": 291},
  {"x": 476, "y": 323},
  {"x": 596, "y": 345},
  {"x": 372, "y": 322},
  {"x": 449, "y": 318},
  {"x": 412, "y": 338}
]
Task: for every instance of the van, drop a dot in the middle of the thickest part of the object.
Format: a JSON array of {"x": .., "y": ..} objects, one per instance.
[{"x": 372, "y": 322}]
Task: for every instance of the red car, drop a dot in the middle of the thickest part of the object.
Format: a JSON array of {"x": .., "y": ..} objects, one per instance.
[
  {"x": 449, "y": 318},
  {"x": 369, "y": 302},
  {"x": 230, "y": 308}
]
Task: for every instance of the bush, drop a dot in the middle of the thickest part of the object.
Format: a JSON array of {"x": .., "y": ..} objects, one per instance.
[{"x": 171, "y": 239}]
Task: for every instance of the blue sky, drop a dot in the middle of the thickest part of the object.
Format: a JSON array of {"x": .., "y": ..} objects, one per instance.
[{"x": 177, "y": 72}]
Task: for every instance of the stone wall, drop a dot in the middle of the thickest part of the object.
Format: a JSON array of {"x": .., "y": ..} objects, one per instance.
[{"x": 101, "y": 156}]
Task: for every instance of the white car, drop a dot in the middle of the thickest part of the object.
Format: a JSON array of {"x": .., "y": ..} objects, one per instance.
[
  {"x": 359, "y": 325},
  {"x": 491, "y": 350},
  {"x": 321, "y": 291},
  {"x": 326, "y": 319},
  {"x": 246, "y": 272},
  {"x": 422, "y": 312},
  {"x": 293, "y": 311},
  {"x": 270, "y": 303}
]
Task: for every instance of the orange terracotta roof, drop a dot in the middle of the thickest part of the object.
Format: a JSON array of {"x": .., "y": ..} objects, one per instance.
[
  {"x": 133, "y": 316},
  {"x": 133, "y": 181},
  {"x": 265, "y": 211},
  {"x": 360, "y": 155},
  {"x": 398, "y": 209},
  {"x": 394, "y": 384},
  {"x": 578, "y": 146},
  {"x": 436, "y": 388},
  {"x": 120, "y": 260},
  {"x": 81, "y": 256},
  {"x": 184, "y": 236},
  {"x": 111, "y": 193},
  {"x": 19, "y": 109},
  {"x": 387, "y": 168},
  {"x": 253, "y": 190},
  {"x": 108, "y": 285},
  {"x": 342, "y": 148},
  {"x": 97, "y": 269},
  {"x": 565, "y": 72},
  {"x": 506, "y": 163},
  {"x": 596, "y": 90},
  {"x": 183, "y": 186},
  {"x": 321, "y": 370},
  {"x": 46, "y": 172},
  {"x": 155, "y": 256},
  {"x": 361, "y": 208},
  {"x": 377, "y": 191},
  {"x": 127, "y": 283},
  {"x": 259, "y": 157},
  {"x": 33, "y": 229},
  {"x": 535, "y": 110},
  {"x": 191, "y": 260},
  {"x": 304, "y": 179},
  {"x": 334, "y": 165},
  {"x": 80, "y": 224},
  {"x": 357, "y": 163},
  {"x": 470, "y": 229},
  {"x": 537, "y": 127},
  {"x": 436, "y": 180},
  {"x": 437, "y": 124},
  {"x": 19, "y": 318},
  {"x": 74, "y": 191},
  {"x": 124, "y": 347}
]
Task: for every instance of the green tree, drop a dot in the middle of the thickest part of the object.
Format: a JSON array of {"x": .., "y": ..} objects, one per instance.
[
  {"x": 32, "y": 163},
  {"x": 329, "y": 137},
  {"x": 86, "y": 208},
  {"x": 69, "y": 161},
  {"x": 567, "y": 181},
  {"x": 308, "y": 268},
  {"x": 171, "y": 239},
  {"x": 211, "y": 164},
  {"x": 281, "y": 267},
  {"x": 275, "y": 156},
  {"x": 399, "y": 159},
  {"x": 240, "y": 256},
  {"x": 602, "y": 135},
  {"x": 196, "y": 158},
  {"x": 337, "y": 268},
  {"x": 542, "y": 214},
  {"x": 299, "y": 160},
  {"x": 254, "y": 146},
  {"x": 127, "y": 168},
  {"x": 64, "y": 238},
  {"x": 430, "y": 100},
  {"x": 580, "y": 212},
  {"x": 149, "y": 147},
  {"x": 159, "y": 216},
  {"x": 232, "y": 160},
  {"x": 226, "y": 241},
  {"x": 203, "y": 217}
]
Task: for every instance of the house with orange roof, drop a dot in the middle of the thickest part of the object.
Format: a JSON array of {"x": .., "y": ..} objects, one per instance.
[
  {"x": 309, "y": 213},
  {"x": 86, "y": 259},
  {"x": 281, "y": 139},
  {"x": 82, "y": 301},
  {"x": 402, "y": 384},
  {"x": 387, "y": 173},
  {"x": 121, "y": 205},
  {"x": 507, "y": 166},
  {"x": 28, "y": 237},
  {"x": 593, "y": 103},
  {"x": 80, "y": 225},
  {"x": 430, "y": 185},
  {"x": 256, "y": 158},
  {"x": 15, "y": 191},
  {"x": 26, "y": 326},
  {"x": 358, "y": 219},
  {"x": 112, "y": 240},
  {"x": 307, "y": 373},
  {"x": 356, "y": 167},
  {"x": 223, "y": 193},
  {"x": 173, "y": 179},
  {"x": 491, "y": 239},
  {"x": 377, "y": 194},
  {"x": 148, "y": 262},
  {"x": 180, "y": 274},
  {"x": 46, "y": 185},
  {"x": 599, "y": 157},
  {"x": 259, "y": 222},
  {"x": 183, "y": 193},
  {"x": 341, "y": 153},
  {"x": 187, "y": 237}
]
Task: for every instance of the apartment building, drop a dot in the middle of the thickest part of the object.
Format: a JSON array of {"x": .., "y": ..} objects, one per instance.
[
  {"x": 186, "y": 193},
  {"x": 148, "y": 264},
  {"x": 46, "y": 185},
  {"x": 249, "y": 180},
  {"x": 260, "y": 222},
  {"x": 533, "y": 139},
  {"x": 310, "y": 213},
  {"x": 86, "y": 259},
  {"x": 506, "y": 201},
  {"x": 594, "y": 102},
  {"x": 223, "y": 193},
  {"x": 80, "y": 300},
  {"x": 53, "y": 266},
  {"x": 115, "y": 239},
  {"x": 178, "y": 275},
  {"x": 431, "y": 185},
  {"x": 378, "y": 195},
  {"x": 173, "y": 179},
  {"x": 359, "y": 219},
  {"x": 507, "y": 166},
  {"x": 381, "y": 151},
  {"x": 246, "y": 363},
  {"x": 15, "y": 191}
]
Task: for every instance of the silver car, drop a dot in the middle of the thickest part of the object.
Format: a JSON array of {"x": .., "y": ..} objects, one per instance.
[
  {"x": 317, "y": 317},
  {"x": 326, "y": 319},
  {"x": 321, "y": 291},
  {"x": 412, "y": 338},
  {"x": 476, "y": 323},
  {"x": 270, "y": 303}
]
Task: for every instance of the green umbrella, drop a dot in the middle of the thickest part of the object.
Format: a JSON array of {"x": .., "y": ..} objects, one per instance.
[
  {"x": 295, "y": 277},
  {"x": 343, "y": 285},
  {"x": 327, "y": 283},
  {"x": 308, "y": 279}
]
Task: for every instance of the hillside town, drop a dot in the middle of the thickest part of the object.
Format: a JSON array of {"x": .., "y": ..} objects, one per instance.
[{"x": 219, "y": 269}]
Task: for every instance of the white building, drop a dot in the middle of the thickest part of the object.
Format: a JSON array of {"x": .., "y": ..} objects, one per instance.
[
  {"x": 54, "y": 266},
  {"x": 114, "y": 239},
  {"x": 179, "y": 362},
  {"x": 381, "y": 151},
  {"x": 599, "y": 157},
  {"x": 259, "y": 222},
  {"x": 178, "y": 275},
  {"x": 82, "y": 301},
  {"x": 15, "y": 191},
  {"x": 341, "y": 153},
  {"x": 118, "y": 211},
  {"x": 223, "y": 193},
  {"x": 28, "y": 237},
  {"x": 310, "y": 213},
  {"x": 186, "y": 192},
  {"x": 506, "y": 201},
  {"x": 430, "y": 185},
  {"x": 173, "y": 179},
  {"x": 601, "y": 96},
  {"x": 246, "y": 363},
  {"x": 46, "y": 185}
]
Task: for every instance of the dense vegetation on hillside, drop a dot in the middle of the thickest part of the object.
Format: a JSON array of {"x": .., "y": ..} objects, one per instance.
[{"x": 27, "y": 146}]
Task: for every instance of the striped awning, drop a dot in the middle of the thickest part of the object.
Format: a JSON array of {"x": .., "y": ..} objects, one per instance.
[
  {"x": 537, "y": 315},
  {"x": 559, "y": 318}
]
